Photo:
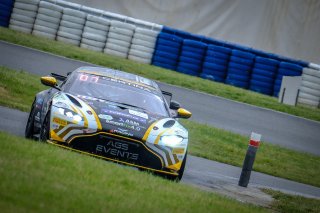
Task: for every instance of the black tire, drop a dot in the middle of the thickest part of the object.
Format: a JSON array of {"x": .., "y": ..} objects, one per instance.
[
  {"x": 181, "y": 171},
  {"x": 29, "y": 131},
  {"x": 45, "y": 128}
]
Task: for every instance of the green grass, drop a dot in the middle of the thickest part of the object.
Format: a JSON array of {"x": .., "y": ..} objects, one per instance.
[
  {"x": 18, "y": 90},
  {"x": 157, "y": 73},
  {"x": 227, "y": 147},
  {"x": 293, "y": 204},
  {"x": 39, "y": 177}
]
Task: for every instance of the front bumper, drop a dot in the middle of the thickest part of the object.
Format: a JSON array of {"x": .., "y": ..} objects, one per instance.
[{"x": 117, "y": 149}]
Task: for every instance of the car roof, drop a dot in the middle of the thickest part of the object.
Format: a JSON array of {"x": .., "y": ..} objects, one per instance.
[{"x": 117, "y": 74}]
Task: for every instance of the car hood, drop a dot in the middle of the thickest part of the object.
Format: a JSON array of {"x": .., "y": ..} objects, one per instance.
[{"x": 119, "y": 119}]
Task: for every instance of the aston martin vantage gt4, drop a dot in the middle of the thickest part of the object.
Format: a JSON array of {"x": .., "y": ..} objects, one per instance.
[{"x": 112, "y": 115}]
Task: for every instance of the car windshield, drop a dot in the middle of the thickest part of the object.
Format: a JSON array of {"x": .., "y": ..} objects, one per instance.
[{"x": 130, "y": 94}]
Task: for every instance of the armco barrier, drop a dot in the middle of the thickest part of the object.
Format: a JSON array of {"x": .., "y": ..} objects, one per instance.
[{"x": 5, "y": 12}]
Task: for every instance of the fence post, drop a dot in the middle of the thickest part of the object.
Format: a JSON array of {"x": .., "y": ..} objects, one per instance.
[{"x": 249, "y": 159}]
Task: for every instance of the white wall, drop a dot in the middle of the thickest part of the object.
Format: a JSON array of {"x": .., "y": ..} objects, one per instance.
[{"x": 287, "y": 27}]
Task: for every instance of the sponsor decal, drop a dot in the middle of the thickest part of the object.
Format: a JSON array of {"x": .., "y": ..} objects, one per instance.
[
  {"x": 124, "y": 115},
  {"x": 89, "y": 112},
  {"x": 116, "y": 123},
  {"x": 124, "y": 132},
  {"x": 139, "y": 114},
  {"x": 117, "y": 149},
  {"x": 127, "y": 83},
  {"x": 155, "y": 128},
  {"x": 106, "y": 117},
  {"x": 128, "y": 121},
  {"x": 60, "y": 121}
]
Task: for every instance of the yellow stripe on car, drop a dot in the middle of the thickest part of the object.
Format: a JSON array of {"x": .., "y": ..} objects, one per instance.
[
  {"x": 176, "y": 166},
  {"x": 146, "y": 135},
  {"x": 158, "y": 137},
  {"x": 55, "y": 137},
  {"x": 99, "y": 127}
]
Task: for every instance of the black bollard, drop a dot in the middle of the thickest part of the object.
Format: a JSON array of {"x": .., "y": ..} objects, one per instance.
[{"x": 249, "y": 159}]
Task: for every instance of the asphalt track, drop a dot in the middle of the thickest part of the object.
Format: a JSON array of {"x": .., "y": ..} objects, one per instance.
[
  {"x": 207, "y": 174},
  {"x": 277, "y": 128}
]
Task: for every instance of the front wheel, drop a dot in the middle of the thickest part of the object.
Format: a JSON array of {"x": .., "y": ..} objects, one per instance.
[
  {"x": 29, "y": 131},
  {"x": 45, "y": 128},
  {"x": 181, "y": 171}
]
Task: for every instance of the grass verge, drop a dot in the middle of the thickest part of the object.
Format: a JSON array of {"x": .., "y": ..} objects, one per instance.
[
  {"x": 18, "y": 90},
  {"x": 156, "y": 73},
  {"x": 227, "y": 147},
  {"x": 38, "y": 177},
  {"x": 293, "y": 204}
]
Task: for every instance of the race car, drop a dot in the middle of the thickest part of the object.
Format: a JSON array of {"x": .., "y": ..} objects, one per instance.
[{"x": 113, "y": 115}]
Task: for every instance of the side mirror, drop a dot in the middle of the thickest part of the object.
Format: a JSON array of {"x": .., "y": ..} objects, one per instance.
[
  {"x": 49, "y": 81},
  {"x": 174, "y": 105},
  {"x": 183, "y": 113}
]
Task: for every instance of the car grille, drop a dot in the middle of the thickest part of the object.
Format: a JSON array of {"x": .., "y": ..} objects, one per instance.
[{"x": 117, "y": 148}]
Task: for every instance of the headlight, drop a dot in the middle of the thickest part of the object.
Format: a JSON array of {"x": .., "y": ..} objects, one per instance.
[
  {"x": 70, "y": 114},
  {"x": 171, "y": 140}
]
